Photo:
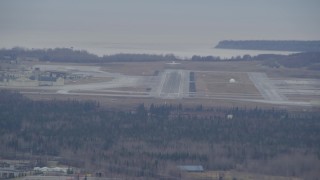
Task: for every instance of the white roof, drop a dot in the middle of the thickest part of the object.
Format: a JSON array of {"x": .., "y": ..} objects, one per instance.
[{"x": 232, "y": 80}]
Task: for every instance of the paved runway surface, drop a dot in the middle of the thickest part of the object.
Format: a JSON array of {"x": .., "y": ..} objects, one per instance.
[
  {"x": 266, "y": 87},
  {"x": 174, "y": 84}
]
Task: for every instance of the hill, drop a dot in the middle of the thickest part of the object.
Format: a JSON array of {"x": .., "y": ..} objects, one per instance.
[{"x": 295, "y": 46}]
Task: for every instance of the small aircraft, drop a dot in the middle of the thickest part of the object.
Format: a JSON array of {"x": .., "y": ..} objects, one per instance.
[{"x": 173, "y": 63}]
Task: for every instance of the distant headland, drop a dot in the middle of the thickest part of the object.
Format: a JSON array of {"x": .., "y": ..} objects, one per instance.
[{"x": 272, "y": 45}]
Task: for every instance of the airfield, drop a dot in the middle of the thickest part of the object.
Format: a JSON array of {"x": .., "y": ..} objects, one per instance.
[{"x": 218, "y": 83}]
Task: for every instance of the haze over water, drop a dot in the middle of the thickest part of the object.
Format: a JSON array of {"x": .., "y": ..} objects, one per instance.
[{"x": 181, "y": 27}]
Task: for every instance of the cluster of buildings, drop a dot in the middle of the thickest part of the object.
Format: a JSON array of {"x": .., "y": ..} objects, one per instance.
[
  {"x": 13, "y": 170},
  {"x": 32, "y": 78},
  {"x": 52, "y": 171}
]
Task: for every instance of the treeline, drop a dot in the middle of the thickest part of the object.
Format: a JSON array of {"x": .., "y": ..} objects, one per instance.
[
  {"x": 310, "y": 60},
  {"x": 295, "y": 46},
  {"x": 148, "y": 141},
  {"x": 55, "y": 55},
  {"x": 246, "y": 57},
  {"x": 81, "y": 56}
]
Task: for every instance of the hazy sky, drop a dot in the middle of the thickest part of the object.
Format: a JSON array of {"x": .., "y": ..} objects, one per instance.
[{"x": 32, "y": 22}]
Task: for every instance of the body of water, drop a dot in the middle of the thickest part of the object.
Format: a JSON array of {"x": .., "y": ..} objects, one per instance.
[{"x": 180, "y": 50}]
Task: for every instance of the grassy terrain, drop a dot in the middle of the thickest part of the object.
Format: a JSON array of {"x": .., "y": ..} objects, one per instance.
[{"x": 235, "y": 175}]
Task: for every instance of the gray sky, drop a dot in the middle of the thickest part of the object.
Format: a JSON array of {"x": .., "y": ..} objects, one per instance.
[{"x": 28, "y": 22}]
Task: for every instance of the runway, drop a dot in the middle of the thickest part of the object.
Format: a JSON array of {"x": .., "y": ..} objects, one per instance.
[
  {"x": 266, "y": 87},
  {"x": 175, "y": 84}
]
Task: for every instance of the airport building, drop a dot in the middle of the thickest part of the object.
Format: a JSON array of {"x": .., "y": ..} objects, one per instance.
[
  {"x": 8, "y": 171},
  {"x": 32, "y": 78}
]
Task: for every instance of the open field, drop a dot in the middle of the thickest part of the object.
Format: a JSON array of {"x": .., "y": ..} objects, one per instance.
[
  {"x": 231, "y": 175},
  {"x": 217, "y": 83},
  {"x": 88, "y": 80},
  {"x": 155, "y": 82},
  {"x": 209, "y": 175}
]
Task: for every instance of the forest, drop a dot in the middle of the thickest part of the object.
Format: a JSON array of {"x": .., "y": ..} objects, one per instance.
[
  {"x": 150, "y": 141},
  {"x": 77, "y": 56}
]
